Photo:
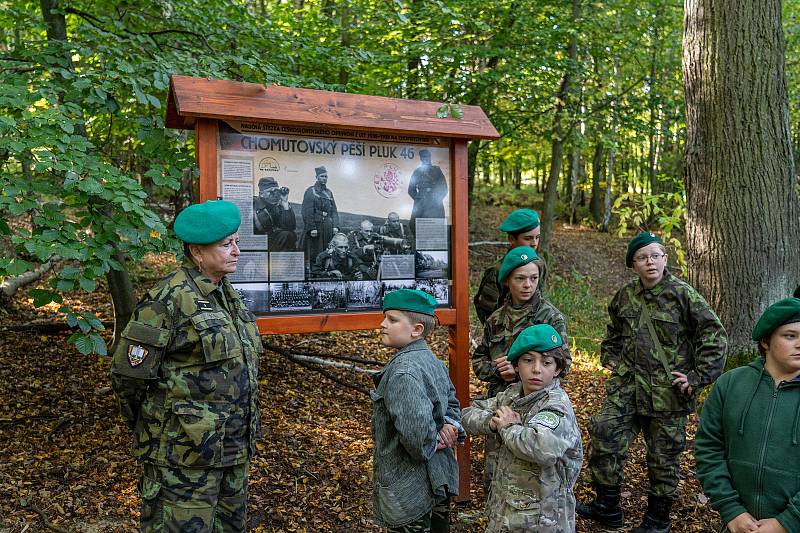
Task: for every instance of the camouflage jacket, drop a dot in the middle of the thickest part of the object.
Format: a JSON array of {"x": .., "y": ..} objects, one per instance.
[
  {"x": 413, "y": 398},
  {"x": 185, "y": 373},
  {"x": 538, "y": 463},
  {"x": 691, "y": 335},
  {"x": 491, "y": 294},
  {"x": 487, "y": 299},
  {"x": 502, "y": 328}
]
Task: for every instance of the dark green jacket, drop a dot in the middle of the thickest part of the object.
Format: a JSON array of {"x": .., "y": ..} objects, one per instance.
[
  {"x": 748, "y": 446},
  {"x": 691, "y": 335},
  {"x": 186, "y": 374}
]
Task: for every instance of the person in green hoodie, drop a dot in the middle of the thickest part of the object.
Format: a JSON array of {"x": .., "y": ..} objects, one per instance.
[{"x": 748, "y": 442}]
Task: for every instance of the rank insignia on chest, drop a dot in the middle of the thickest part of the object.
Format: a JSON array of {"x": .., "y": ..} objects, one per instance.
[
  {"x": 547, "y": 419},
  {"x": 204, "y": 305},
  {"x": 136, "y": 354}
]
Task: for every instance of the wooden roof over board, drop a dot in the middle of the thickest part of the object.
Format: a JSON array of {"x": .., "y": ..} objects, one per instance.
[{"x": 191, "y": 98}]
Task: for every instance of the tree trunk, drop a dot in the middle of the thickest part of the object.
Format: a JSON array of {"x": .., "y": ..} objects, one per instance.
[
  {"x": 609, "y": 200},
  {"x": 574, "y": 164},
  {"x": 598, "y": 169},
  {"x": 742, "y": 226},
  {"x": 472, "y": 161},
  {"x": 119, "y": 283},
  {"x": 557, "y": 144}
]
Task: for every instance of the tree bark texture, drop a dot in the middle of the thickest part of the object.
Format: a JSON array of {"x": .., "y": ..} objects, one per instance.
[
  {"x": 743, "y": 231},
  {"x": 557, "y": 146}
]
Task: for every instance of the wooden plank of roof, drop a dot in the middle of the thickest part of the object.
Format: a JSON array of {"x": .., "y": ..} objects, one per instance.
[{"x": 190, "y": 98}]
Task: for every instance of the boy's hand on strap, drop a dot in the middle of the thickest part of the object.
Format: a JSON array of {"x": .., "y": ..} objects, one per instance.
[
  {"x": 743, "y": 523},
  {"x": 504, "y": 417},
  {"x": 770, "y": 525},
  {"x": 448, "y": 437}
]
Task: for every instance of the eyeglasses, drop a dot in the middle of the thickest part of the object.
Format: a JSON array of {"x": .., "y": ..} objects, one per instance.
[{"x": 642, "y": 259}]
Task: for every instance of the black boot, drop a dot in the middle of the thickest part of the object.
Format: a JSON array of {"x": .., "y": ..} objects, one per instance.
[
  {"x": 605, "y": 508},
  {"x": 656, "y": 519}
]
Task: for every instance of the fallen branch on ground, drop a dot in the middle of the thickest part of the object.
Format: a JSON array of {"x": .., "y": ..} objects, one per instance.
[
  {"x": 47, "y": 523},
  {"x": 315, "y": 363},
  {"x": 49, "y": 327}
]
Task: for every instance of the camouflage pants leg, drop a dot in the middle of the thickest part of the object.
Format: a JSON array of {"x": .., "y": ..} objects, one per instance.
[
  {"x": 665, "y": 438},
  {"x": 436, "y": 521},
  {"x": 490, "y": 450},
  {"x": 194, "y": 500},
  {"x": 611, "y": 431}
]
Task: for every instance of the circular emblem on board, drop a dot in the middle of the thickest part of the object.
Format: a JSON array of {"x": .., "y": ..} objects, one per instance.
[{"x": 388, "y": 181}]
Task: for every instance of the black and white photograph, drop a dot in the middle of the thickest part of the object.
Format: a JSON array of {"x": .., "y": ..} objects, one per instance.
[
  {"x": 254, "y": 295},
  {"x": 290, "y": 296},
  {"x": 253, "y": 266},
  {"x": 438, "y": 288},
  {"x": 395, "y": 284},
  {"x": 432, "y": 264},
  {"x": 328, "y": 295},
  {"x": 320, "y": 213},
  {"x": 364, "y": 294}
]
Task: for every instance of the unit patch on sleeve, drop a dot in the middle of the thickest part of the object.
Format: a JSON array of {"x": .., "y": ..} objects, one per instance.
[
  {"x": 136, "y": 354},
  {"x": 547, "y": 419}
]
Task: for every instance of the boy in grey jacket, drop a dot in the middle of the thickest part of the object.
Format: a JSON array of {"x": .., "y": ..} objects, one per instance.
[
  {"x": 416, "y": 422},
  {"x": 541, "y": 453}
]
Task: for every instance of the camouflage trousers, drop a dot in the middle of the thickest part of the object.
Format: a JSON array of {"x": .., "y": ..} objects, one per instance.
[
  {"x": 194, "y": 500},
  {"x": 614, "y": 427},
  {"x": 436, "y": 521}
]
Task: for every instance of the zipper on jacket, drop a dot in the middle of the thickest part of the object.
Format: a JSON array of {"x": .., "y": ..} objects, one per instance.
[{"x": 760, "y": 478}]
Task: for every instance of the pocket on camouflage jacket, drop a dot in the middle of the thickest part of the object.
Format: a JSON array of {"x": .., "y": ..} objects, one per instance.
[
  {"x": 140, "y": 350},
  {"x": 196, "y": 431}
]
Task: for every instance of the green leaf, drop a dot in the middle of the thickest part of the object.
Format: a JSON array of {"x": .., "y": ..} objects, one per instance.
[
  {"x": 84, "y": 343},
  {"x": 88, "y": 285},
  {"x": 443, "y": 111},
  {"x": 43, "y": 297},
  {"x": 154, "y": 101},
  {"x": 4, "y": 228},
  {"x": 456, "y": 112},
  {"x": 99, "y": 345},
  {"x": 67, "y": 126}
]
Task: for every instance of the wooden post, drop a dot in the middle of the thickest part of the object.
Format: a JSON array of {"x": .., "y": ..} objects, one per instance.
[
  {"x": 205, "y": 139},
  {"x": 458, "y": 337}
]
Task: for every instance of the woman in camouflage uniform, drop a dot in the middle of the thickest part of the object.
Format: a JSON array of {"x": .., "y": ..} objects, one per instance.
[
  {"x": 186, "y": 376},
  {"x": 524, "y": 306}
]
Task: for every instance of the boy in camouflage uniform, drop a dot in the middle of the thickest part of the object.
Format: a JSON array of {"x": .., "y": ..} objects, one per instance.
[
  {"x": 185, "y": 373},
  {"x": 663, "y": 344},
  {"x": 522, "y": 227},
  {"x": 541, "y": 453},
  {"x": 416, "y": 423},
  {"x": 489, "y": 361}
]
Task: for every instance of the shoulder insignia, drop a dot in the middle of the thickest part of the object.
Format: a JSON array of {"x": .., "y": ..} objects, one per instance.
[
  {"x": 203, "y": 305},
  {"x": 547, "y": 419},
  {"x": 136, "y": 354}
]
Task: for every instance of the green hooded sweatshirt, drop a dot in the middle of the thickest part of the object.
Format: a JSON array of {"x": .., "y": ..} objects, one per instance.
[{"x": 747, "y": 451}]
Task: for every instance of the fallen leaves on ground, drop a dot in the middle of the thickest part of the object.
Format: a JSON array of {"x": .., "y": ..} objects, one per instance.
[{"x": 64, "y": 448}]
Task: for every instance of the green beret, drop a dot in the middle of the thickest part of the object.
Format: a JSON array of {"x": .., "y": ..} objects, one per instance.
[
  {"x": 515, "y": 258},
  {"x": 640, "y": 241},
  {"x": 208, "y": 222},
  {"x": 410, "y": 300},
  {"x": 520, "y": 221},
  {"x": 539, "y": 338},
  {"x": 776, "y": 315}
]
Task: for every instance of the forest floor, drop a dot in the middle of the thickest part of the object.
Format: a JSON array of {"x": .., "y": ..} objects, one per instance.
[{"x": 64, "y": 462}]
